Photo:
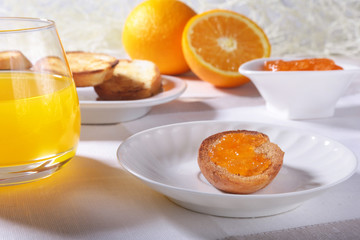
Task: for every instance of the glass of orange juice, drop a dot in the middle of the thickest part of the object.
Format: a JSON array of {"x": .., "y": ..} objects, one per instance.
[{"x": 39, "y": 107}]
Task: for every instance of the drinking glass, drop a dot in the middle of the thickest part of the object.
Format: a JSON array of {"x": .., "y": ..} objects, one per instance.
[{"x": 39, "y": 107}]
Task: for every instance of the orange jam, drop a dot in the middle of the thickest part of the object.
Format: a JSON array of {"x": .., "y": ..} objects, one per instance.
[
  {"x": 311, "y": 64},
  {"x": 235, "y": 152}
]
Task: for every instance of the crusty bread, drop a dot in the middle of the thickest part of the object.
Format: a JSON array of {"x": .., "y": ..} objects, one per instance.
[
  {"x": 51, "y": 64},
  {"x": 223, "y": 180},
  {"x": 136, "y": 79},
  {"x": 14, "y": 60},
  {"x": 90, "y": 69}
]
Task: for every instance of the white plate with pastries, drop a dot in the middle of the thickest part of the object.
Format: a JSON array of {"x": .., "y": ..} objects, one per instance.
[
  {"x": 115, "y": 90},
  {"x": 167, "y": 163},
  {"x": 95, "y": 111}
]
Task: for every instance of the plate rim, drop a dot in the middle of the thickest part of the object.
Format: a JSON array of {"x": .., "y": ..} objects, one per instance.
[
  {"x": 240, "y": 196},
  {"x": 160, "y": 98}
]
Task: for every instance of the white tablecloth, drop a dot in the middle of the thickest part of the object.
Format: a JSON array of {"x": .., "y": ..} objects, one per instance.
[{"x": 94, "y": 198}]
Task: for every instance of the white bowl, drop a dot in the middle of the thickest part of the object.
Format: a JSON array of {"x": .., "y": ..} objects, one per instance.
[
  {"x": 300, "y": 94},
  {"x": 165, "y": 158}
]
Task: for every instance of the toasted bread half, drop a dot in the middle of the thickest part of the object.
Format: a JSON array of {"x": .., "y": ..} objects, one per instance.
[
  {"x": 51, "y": 64},
  {"x": 223, "y": 179},
  {"x": 131, "y": 80},
  {"x": 91, "y": 69},
  {"x": 14, "y": 60}
]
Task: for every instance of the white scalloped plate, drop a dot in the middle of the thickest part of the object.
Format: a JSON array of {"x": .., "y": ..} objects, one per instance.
[
  {"x": 95, "y": 111},
  {"x": 165, "y": 158}
]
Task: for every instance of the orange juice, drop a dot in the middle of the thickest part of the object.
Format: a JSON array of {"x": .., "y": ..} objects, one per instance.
[{"x": 39, "y": 118}]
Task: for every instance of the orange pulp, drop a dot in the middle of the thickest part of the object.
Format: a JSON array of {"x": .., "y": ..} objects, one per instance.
[
  {"x": 236, "y": 153},
  {"x": 216, "y": 42},
  {"x": 311, "y": 64}
]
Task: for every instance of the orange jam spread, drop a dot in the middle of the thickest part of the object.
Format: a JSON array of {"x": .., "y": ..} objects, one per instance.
[
  {"x": 311, "y": 64},
  {"x": 235, "y": 152}
]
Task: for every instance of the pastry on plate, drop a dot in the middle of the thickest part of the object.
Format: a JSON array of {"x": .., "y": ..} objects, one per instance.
[
  {"x": 131, "y": 80},
  {"x": 90, "y": 69},
  {"x": 50, "y": 64},
  {"x": 14, "y": 60},
  {"x": 239, "y": 161}
]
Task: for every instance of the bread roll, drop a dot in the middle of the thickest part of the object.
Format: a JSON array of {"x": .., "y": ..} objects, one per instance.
[
  {"x": 239, "y": 161},
  {"x": 136, "y": 79},
  {"x": 51, "y": 64},
  {"x": 14, "y": 60},
  {"x": 90, "y": 69}
]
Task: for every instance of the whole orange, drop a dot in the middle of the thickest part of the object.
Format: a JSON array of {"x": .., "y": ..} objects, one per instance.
[{"x": 153, "y": 31}]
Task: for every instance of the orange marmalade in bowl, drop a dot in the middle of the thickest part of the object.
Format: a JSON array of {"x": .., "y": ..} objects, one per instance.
[
  {"x": 309, "y": 64},
  {"x": 236, "y": 153}
]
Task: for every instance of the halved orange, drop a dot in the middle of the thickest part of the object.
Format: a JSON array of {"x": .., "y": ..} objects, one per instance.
[{"x": 215, "y": 43}]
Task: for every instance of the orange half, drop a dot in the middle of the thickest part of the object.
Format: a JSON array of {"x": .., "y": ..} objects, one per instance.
[{"x": 215, "y": 43}]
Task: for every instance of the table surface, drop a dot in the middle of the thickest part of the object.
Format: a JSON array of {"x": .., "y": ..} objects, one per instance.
[{"x": 92, "y": 197}]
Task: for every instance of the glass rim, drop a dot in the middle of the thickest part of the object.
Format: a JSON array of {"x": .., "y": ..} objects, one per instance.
[{"x": 47, "y": 24}]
